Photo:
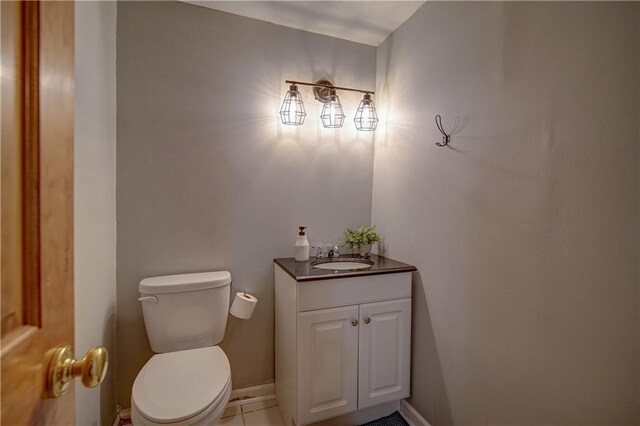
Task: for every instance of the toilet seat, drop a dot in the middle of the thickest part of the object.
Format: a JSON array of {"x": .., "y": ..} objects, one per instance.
[{"x": 182, "y": 387}]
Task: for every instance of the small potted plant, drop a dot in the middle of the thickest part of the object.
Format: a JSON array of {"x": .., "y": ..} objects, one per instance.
[{"x": 362, "y": 239}]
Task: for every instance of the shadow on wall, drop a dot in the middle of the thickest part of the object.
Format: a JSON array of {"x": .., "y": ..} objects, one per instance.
[
  {"x": 108, "y": 400},
  {"x": 425, "y": 361}
]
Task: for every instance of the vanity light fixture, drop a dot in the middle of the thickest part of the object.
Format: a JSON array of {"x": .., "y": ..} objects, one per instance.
[
  {"x": 366, "y": 118},
  {"x": 292, "y": 111},
  {"x": 332, "y": 115}
]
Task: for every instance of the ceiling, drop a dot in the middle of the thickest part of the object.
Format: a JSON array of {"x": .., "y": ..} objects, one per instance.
[{"x": 368, "y": 22}]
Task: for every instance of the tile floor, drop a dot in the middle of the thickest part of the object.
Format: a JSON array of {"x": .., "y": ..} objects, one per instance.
[{"x": 262, "y": 413}]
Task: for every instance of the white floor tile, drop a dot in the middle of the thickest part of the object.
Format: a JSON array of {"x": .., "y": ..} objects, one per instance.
[
  {"x": 231, "y": 411},
  {"x": 268, "y": 417},
  {"x": 260, "y": 405},
  {"x": 231, "y": 421}
]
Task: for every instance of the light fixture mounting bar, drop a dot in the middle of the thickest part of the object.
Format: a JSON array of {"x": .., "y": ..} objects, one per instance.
[{"x": 328, "y": 86}]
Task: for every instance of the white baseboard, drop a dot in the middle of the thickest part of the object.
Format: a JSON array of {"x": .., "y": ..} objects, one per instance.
[
  {"x": 253, "y": 391},
  {"x": 252, "y": 394},
  {"x": 411, "y": 415}
]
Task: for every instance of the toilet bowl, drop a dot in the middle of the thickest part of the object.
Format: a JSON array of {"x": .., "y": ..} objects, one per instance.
[
  {"x": 188, "y": 381},
  {"x": 189, "y": 387}
]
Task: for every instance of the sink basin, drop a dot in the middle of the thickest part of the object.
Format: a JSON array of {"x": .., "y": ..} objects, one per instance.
[{"x": 343, "y": 265}]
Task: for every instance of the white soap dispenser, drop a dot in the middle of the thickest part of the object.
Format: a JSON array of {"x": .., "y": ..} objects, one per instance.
[{"x": 302, "y": 245}]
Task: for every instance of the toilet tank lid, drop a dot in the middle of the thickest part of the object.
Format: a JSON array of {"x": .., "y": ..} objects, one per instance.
[{"x": 184, "y": 282}]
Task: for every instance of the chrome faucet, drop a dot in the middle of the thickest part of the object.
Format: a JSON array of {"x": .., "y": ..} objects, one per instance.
[
  {"x": 334, "y": 251},
  {"x": 328, "y": 251}
]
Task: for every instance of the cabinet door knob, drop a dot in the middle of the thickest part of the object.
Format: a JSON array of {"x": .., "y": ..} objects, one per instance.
[
  {"x": 354, "y": 322},
  {"x": 367, "y": 320}
]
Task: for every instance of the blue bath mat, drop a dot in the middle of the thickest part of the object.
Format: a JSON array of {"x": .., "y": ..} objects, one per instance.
[{"x": 394, "y": 419}]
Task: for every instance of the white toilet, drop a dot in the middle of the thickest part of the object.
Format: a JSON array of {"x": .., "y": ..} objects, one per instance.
[{"x": 188, "y": 381}]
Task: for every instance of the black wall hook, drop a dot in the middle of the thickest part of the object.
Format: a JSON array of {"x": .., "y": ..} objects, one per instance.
[{"x": 446, "y": 138}]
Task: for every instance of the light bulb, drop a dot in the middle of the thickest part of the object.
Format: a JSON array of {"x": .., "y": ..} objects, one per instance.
[
  {"x": 332, "y": 113},
  {"x": 293, "y": 109}
]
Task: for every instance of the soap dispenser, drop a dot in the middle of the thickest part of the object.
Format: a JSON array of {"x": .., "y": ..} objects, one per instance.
[{"x": 302, "y": 245}]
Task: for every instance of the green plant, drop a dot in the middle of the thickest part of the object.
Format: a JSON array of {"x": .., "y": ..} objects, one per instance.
[{"x": 364, "y": 235}]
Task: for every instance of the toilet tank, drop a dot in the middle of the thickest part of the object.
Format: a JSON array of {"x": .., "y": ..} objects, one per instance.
[{"x": 185, "y": 311}]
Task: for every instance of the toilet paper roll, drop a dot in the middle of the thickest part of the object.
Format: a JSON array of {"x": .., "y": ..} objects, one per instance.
[{"x": 243, "y": 305}]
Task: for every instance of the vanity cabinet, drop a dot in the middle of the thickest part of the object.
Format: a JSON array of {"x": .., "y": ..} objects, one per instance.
[{"x": 342, "y": 344}]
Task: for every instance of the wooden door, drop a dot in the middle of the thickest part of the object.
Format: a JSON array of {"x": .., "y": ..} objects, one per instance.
[
  {"x": 36, "y": 206},
  {"x": 384, "y": 352},
  {"x": 327, "y": 363}
]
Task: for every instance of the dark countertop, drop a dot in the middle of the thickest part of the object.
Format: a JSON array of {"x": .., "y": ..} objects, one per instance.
[{"x": 304, "y": 271}]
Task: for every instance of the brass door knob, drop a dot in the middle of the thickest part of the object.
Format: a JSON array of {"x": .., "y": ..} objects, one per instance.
[
  {"x": 63, "y": 368},
  {"x": 367, "y": 320}
]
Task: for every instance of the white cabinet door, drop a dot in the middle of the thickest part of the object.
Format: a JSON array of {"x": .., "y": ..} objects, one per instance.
[
  {"x": 385, "y": 352},
  {"x": 327, "y": 363}
]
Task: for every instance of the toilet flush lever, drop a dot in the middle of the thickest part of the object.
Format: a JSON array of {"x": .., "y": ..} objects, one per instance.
[{"x": 151, "y": 299}]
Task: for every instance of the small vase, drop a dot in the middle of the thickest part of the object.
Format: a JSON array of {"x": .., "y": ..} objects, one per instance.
[{"x": 365, "y": 250}]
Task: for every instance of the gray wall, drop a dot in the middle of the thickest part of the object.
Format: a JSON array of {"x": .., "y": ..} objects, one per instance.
[
  {"x": 95, "y": 201},
  {"x": 525, "y": 231},
  {"x": 208, "y": 179}
]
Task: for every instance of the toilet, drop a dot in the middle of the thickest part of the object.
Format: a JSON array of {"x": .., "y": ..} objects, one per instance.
[{"x": 188, "y": 380}]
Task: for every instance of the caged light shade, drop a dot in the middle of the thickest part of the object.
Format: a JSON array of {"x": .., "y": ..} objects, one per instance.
[
  {"x": 332, "y": 115},
  {"x": 292, "y": 111},
  {"x": 366, "y": 118}
]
